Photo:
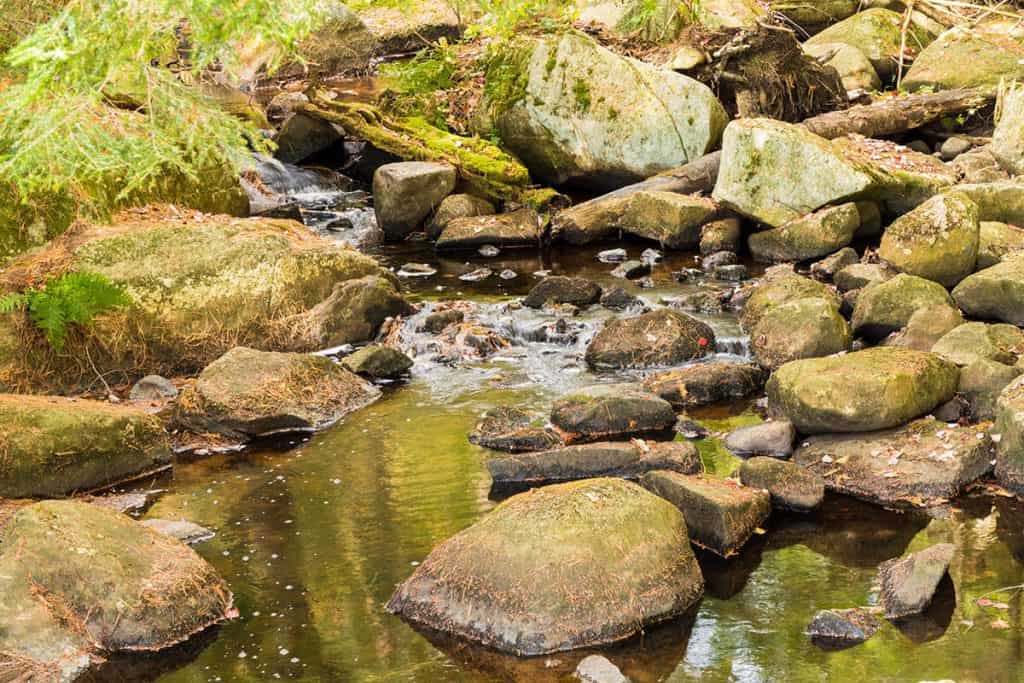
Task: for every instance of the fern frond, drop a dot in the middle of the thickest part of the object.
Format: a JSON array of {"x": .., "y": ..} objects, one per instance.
[{"x": 12, "y": 303}]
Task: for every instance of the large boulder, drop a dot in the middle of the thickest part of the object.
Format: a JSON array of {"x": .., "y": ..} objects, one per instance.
[
  {"x": 995, "y": 293},
  {"x": 885, "y": 307},
  {"x": 574, "y": 111},
  {"x": 406, "y": 193},
  {"x": 997, "y": 201},
  {"x": 996, "y": 241},
  {"x": 802, "y": 328},
  {"x": 661, "y": 337},
  {"x": 764, "y": 175},
  {"x": 926, "y": 327},
  {"x": 877, "y": 33},
  {"x": 53, "y": 446},
  {"x": 919, "y": 463},
  {"x": 672, "y": 219},
  {"x": 248, "y": 393},
  {"x": 937, "y": 241},
  {"x": 611, "y": 411},
  {"x": 807, "y": 237},
  {"x": 703, "y": 384},
  {"x": 970, "y": 56},
  {"x": 561, "y": 567},
  {"x": 81, "y": 583},
  {"x": 876, "y": 388},
  {"x": 1010, "y": 427},
  {"x": 199, "y": 286}
]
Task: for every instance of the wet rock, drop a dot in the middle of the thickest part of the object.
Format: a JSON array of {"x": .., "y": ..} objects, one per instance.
[
  {"x": 501, "y": 581},
  {"x": 778, "y": 291},
  {"x": 52, "y": 446},
  {"x": 619, "y": 299},
  {"x": 417, "y": 270},
  {"x": 488, "y": 251},
  {"x": 885, "y": 307},
  {"x": 612, "y": 256},
  {"x": 790, "y": 486},
  {"x": 152, "y": 388},
  {"x": 995, "y": 293},
  {"x": 855, "y": 70},
  {"x": 516, "y": 229},
  {"x": 508, "y": 274},
  {"x": 405, "y": 193},
  {"x": 188, "y": 533},
  {"x": 632, "y": 270},
  {"x": 876, "y": 32},
  {"x": 597, "y": 669},
  {"x": 842, "y": 626},
  {"x": 302, "y": 136},
  {"x": 718, "y": 259},
  {"x": 688, "y": 274},
  {"x": 937, "y": 241},
  {"x": 953, "y": 147},
  {"x": 721, "y": 235},
  {"x": 469, "y": 341},
  {"x": 733, "y": 273},
  {"x": 457, "y": 206},
  {"x": 585, "y": 114},
  {"x": 989, "y": 48},
  {"x": 558, "y": 289},
  {"x": 438, "y": 320},
  {"x": 996, "y": 241},
  {"x": 690, "y": 429},
  {"x": 774, "y": 439},
  {"x": 513, "y": 430},
  {"x": 721, "y": 514},
  {"x": 827, "y": 267},
  {"x": 611, "y": 411},
  {"x": 628, "y": 460},
  {"x": 806, "y": 237},
  {"x": 861, "y": 391},
  {"x": 671, "y": 219},
  {"x": 1008, "y": 139},
  {"x": 1010, "y": 427},
  {"x": 378, "y": 362},
  {"x": 353, "y": 313},
  {"x": 144, "y": 592},
  {"x": 703, "y": 384},
  {"x": 802, "y": 328},
  {"x": 476, "y": 275},
  {"x": 926, "y": 327},
  {"x": 763, "y": 176},
  {"x": 909, "y": 583},
  {"x": 661, "y": 337},
  {"x": 644, "y": 283},
  {"x": 704, "y": 301},
  {"x": 860, "y": 275},
  {"x": 981, "y": 384},
  {"x": 248, "y": 393},
  {"x": 970, "y": 342},
  {"x": 919, "y": 463}
]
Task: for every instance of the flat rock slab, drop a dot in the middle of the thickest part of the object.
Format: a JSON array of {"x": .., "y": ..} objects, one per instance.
[
  {"x": 721, "y": 514},
  {"x": 559, "y": 289},
  {"x": 513, "y": 430},
  {"x": 628, "y": 460},
  {"x": 790, "y": 486},
  {"x": 909, "y": 583},
  {"x": 842, "y": 626},
  {"x": 661, "y": 337},
  {"x": 556, "y": 568},
  {"x": 611, "y": 411},
  {"x": 515, "y": 229},
  {"x": 703, "y": 384},
  {"x": 188, "y": 533},
  {"x": 923, "y": 462}
]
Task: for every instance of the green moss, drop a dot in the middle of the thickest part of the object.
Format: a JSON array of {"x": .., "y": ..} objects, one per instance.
[{"x": 581, "y": 93}]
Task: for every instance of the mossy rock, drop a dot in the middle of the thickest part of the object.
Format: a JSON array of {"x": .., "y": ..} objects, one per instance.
[
  {"x": 520, "y": 228},
  {"x": 807, "y": 237},
  {"x": 982, "y": 382},
  {"x": 1002, "y": 201},
  {"x": 81, "y": 583},
  {"x": 855, "y": 69},
  {"x": 937, "y": 241},
  {"x": 457, "y": 206},
  {"x": 813, "y": 16},
  {"x": 778, "y": 291},
  {"x": 995, "y": 293},
  {"x": 996, "y": 241},
  {"x": 513, "y": 430},
  {"x": 863, "y": 391},
  {"x": 52, "y": 446},
  {"x": 885, "y": 307},
  {"x": 661, "y": 337},
  {"x": 703, "y": 384},
  {"x": 378, "y": 362},
  {"x": 198, "y": 289},
  {"x": 802, "y": 328},
  {"x": 970, "y": 57},
  {"x": 1010, "y": 425},
  {"x": 877, "y": 33},
  {"x": 926, "y": 327},
  {"x": 1008, "y": 138},
  {"x": 562, "y": 567},
  {"x": 973, "y": 341},
  {"x": 908, "y": 584},
  {"x": 860, "y": 275},
  {"x": 671, "y": 219},
  {"x": 790, "y": 486},
  {"x": 559, "y": 289},
  {"x": 248, "y": 393},
  {"x": 611, "y": 411}
]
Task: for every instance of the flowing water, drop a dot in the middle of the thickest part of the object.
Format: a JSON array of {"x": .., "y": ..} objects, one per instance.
[{"x": 313, "y": 535}]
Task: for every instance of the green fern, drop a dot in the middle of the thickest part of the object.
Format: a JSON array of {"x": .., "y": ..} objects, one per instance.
[{"x": 69, "y": 299}]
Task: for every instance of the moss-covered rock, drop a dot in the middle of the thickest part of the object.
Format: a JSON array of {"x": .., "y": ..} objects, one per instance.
[
  {"x": 721, "y": 235},
  {"x": 611, "y": 411},
  {"x": 866, "y": 390},
  {"x": 813, "y": 16},
  {"x": 513, "y": 430},
  {"x": 982, "y": 382},
  {"x": 877, "y": 33},
  {"x": 703, "y": 384},
  {"x": 778, "y": 291},
  {"x": 673, "y": 220},
  {"x": 969, "y": 57},
  {"x": 457, "y": 206},
  {"x": 860, "y": 275},
  {"x": 53, "y": 446},
  {"x": 885, "y": 307},
  {"x": 378, "y": 362},
  {"x": 1010, "y": 427},
  {"x": 967, "y": 343},
  {"x": 81, "y": 583},
  {"x": 559, "y": 289},
  {"x": 802, "y": 328},
  {"x": 997, "y": 240},
  {"x": 661, "y": 337},
  {"x": 663, "y": 20},
  {"x": 925, "y": 327},
  {"x": 995, "y": 293},
  {"x": 1008, "y": 138},
  {"x": 807, "y": 237},
  {"x": 790, "y": 486},
  {"x": 566, "y": 566},
  {"x": 248, "y": 393},
  {"x": 937, "y": 241},
  {"x": 520, "y": 228},
  {"x": 1003, "y": 201},
  {"x": 855, "y": 69}
]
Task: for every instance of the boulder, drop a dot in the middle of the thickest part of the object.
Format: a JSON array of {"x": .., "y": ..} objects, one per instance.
[
  {"x": 378, "y": 362},
  {"x": 981, "y": 384},
  {"x": 437, "y": 321},
  {"x": 558, "y": 289},
  {"x": 802, "y": 328},
  {"x": 979, "y": 166},
  {"x": 764, "y": 162},
  {"x": 702, "y": 384},
  {"x": 82, "y": 584},
  {"x": 855, "y": 70},
  {"x": 937, "y": 241},
  {"x": 885, "y": 307},
  {"x": 970, "y": 342},
  {"x": 513, "y": 430},
  {"x": 52, "y": 446},
  {"x": 813, "y": 17},
  {"x": 926, "y": 327},
  {"x": 826, "y": 268},
  {"x": 618, "y": 299},
  {"x": 353, "y": 313},
  {"x": 671, "y": 219},
  {"x": 520, "y": 228},
  {"x": 790, "y": 486},
  {"x": 995, "y": 293},
  {"x": 774, "y": 292},
  {"x": 576, "y": 112},
  {"x": 842, "y": 626},
  {"x": 302, "y": 136},
  {"x": 721, "y": 235},
  {"x": 565, "y": 566},
  {"x": 188, "y": 533},
  {"x": 721, "y": 514},
  {"x": 918, "y": 464},
  {"x": 661, "y": 337},
  {"x": 970, "y": 56},
  {"x": 624, "y": 459},
  {"x": 860, "y": 275},
  {"x": 611, "y": 411},
  {"x": 1010, "y": 427},
  {"x": 807, "y": 237},
  {"x": 774, "y": 439},
  {"x": 908, "y": 584},
  {"x": 1008, "y": 139},
  {"x": 406, "y": 27},
  {"x": 996, "y": 241},
  {"x": 247, "y": 393},
  {"x": 867, "y": 390},
  {"x": 407, "y": 192},
  {"x": 153, "y": 388},
  {"x": 1003, "y": 202},
  {"x": 876, "y": 32},
  {"x": 457, "y": 206}
]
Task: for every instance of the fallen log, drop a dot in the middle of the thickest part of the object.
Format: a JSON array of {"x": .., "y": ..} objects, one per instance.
[{"x": 598, "y": 217}]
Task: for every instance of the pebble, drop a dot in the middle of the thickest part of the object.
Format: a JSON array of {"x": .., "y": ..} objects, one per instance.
[
  {"x": 488, "y": 250},
  {"x": 416, "y": 270},
  {"x": 651, "y": 256},
  {"x": 476, "y": 275},
  {"x": 508, "y": 274},
  {"x": 612, "y": 256}
]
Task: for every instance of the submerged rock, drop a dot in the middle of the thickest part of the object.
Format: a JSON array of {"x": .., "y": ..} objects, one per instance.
[
  {"x": 790, "y": 486},
  {"x": 702, "y": 384},
  {"x": 611, "y": 411},
  {"x": 248, "y": 393},
  {"x": 661, "y": 337},
  {"x": 996, "y": 293},
  {"x": 886, "y": 307},
  {"x": 616, "y": 554},
  {"x": 876, "y": 388},
  {"x": 378, "y": 362},
  {"x": 802, "y": 328},
  {"x": 405, "y": 193},
  {"x": 919, "y": 463},
  {"x": 188, "y": 533},
  {"x": 807, "y": 237},
  {"x": 558, "y": 289},
  {"x": 437, "y": 321},
  {"x": 628, "y": 460},
  {"x": 909, "y": 583},
  {"x": 52, "y": 446},
  {"x": 513, "y": 430},
  {"x": 842, "y": 626},
  {"x": 516, "y": 229},
  {"x": 773, "y": 439},
  {"x": 721, "y": 514},
  {"x": 597, "y": 669}
]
